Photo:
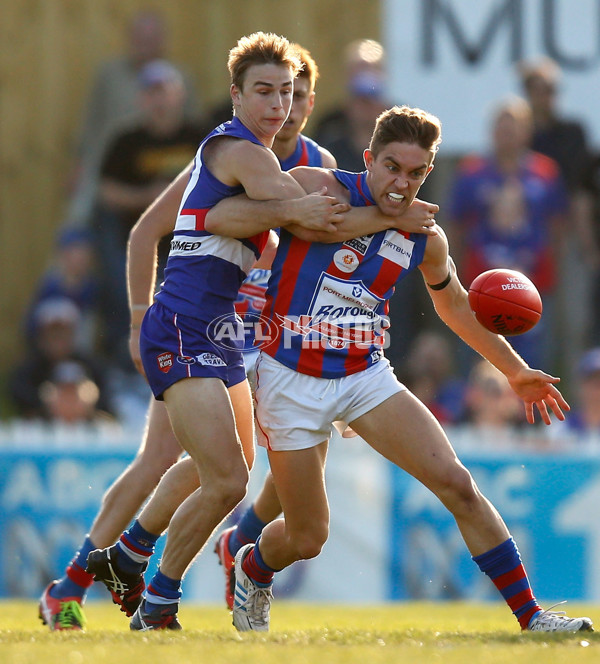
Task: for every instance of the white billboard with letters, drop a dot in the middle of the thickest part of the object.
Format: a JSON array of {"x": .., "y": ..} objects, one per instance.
[{"x": 457, "y": 58}]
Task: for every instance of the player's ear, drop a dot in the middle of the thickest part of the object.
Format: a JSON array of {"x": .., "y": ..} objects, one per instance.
[
  {"x": 311, "y": 104},
  {"x": 368, "y": 158},
  {"x": 235, "y": 93},
  {"x": 431, "y": 163}
]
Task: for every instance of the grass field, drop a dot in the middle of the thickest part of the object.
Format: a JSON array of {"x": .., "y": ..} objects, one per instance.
[{"x": 412, "y": 633}]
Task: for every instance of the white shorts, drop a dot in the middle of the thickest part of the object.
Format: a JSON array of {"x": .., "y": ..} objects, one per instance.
[{"x": 295, "y": 411}]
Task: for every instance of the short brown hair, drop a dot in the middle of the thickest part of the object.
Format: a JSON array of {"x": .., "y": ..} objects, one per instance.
[
  {"x": 403, "y": 124},
  {"x": 261, "y": 48},
  {"x": 309, "y": 69}
]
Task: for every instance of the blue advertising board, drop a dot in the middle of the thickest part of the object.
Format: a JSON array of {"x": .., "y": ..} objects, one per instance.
[
  {"x": 397, "y": 536},
  {"x": 549, "y": 505},
  {"x": 48, "y": 501}
]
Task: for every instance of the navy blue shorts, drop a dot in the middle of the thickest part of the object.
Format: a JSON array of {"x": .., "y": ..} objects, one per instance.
[{"x": 174, "y": 347}]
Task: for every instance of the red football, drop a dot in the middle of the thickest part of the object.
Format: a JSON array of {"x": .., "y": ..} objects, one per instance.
[{"x": 505, "y": 301}]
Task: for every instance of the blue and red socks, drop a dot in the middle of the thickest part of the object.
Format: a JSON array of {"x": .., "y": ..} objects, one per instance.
[
  {"x": 76, "y": 580},
  {"x": 504, "y": 567},
  {"x": 247, "y": 530},
  {"x": 135, "y": 547},
  {"x": 162, "y": 590},
  {"x": 256, "y": 568}
]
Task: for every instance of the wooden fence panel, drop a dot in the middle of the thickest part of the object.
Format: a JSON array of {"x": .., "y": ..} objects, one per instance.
[{"x": 49, "y": 50}]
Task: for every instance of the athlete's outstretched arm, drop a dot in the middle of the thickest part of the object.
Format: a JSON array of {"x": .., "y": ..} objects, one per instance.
[
  {"x": 157, "y": 221},
  {"x": 451, "y": 302}
]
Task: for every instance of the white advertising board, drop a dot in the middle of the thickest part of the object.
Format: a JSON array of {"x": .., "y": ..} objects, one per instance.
[{"x": 457, "y": 59}]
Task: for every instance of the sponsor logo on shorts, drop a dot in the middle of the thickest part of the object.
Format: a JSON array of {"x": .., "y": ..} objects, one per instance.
[
  {"x": 186, "y": 359},
  {"x": 165, "y": 362},
  {"x": 210, "y": 360}
]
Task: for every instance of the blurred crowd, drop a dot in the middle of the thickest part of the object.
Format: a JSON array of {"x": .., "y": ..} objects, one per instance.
[{"x": 530, "y": 202}]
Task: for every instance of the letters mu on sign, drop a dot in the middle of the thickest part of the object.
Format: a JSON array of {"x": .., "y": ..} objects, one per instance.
[{"x": 457, "y": 58}]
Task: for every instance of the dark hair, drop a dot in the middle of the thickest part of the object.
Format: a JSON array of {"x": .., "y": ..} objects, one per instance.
[
  {"x": 403, "y": 124},
  {"x": 261, "y": 48}
]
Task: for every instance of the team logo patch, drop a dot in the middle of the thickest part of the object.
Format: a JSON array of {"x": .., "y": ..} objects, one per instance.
[
  {"x": 376, "y": 355},
  {"x": 186, "y": 359},
  {"x": 210, "y": 360},
  {"x": 345, "y": 260},
  {"x": 165, "y": 362}
]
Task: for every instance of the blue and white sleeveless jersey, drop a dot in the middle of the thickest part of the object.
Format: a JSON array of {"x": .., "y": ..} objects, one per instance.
[{"x": 204, "y": 271}]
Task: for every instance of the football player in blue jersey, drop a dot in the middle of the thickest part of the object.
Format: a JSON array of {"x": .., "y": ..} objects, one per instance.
[
  {"x": 292, "y": 149},
  {"x": 204, "y": 387},
  {"x": 263, "y": 102}
]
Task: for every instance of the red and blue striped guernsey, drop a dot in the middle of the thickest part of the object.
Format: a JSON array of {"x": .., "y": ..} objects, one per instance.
[{"x": 328, "y": 303}]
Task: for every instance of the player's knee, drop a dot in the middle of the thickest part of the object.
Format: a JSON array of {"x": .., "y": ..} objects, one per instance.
[
  {"x": 148, "y": 474},
  {"x": 309, "y": 544},
  {"x": 458, "y": 490},
  {"x": 229, "y": 490},
  {"x": 155, "y": 463}
]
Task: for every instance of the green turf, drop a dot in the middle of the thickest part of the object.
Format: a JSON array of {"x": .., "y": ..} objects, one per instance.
[{"x": 410, "y": 633}]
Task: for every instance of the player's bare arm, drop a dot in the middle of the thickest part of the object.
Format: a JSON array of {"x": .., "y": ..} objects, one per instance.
[
  {"x": 451, "y": 303},
  {"x": 156, "y": 222},
  {"x": 256, "y": 168},
  {"x": 240, "y": 216},
  {"x": 419, "y": 217}
]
